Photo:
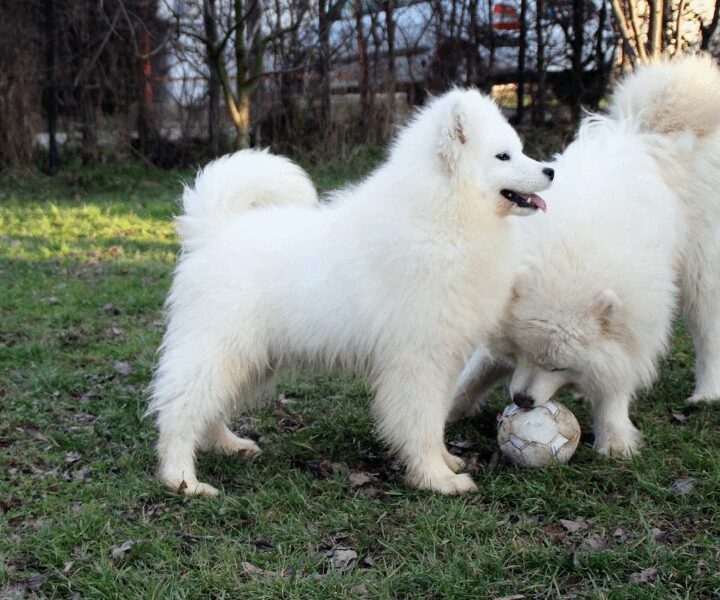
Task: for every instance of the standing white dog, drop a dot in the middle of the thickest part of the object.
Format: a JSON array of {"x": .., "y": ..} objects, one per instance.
[
  {"x": 635, "y": 212},
  {"x": 397, "y": 277}
]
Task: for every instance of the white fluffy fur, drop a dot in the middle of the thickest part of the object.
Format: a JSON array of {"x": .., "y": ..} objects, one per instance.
[
  {"x": 398, "y": 277},
  {"x": 634, "y": 212}
]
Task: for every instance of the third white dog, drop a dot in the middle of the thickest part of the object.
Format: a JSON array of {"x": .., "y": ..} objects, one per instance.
[
  {"x": 398, "y": 277},
  {"x": 635, "y": 225}
]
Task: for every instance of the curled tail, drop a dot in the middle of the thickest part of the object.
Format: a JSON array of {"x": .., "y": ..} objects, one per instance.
[
  {"x": 239, "y": 182},
  {"x": 671, "y": 95}
]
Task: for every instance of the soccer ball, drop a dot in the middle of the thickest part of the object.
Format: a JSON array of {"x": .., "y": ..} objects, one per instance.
[{"x": 538, "y": 436}]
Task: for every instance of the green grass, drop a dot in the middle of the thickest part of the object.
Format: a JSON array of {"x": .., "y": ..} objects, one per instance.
[{"x": 85, "y": 264}]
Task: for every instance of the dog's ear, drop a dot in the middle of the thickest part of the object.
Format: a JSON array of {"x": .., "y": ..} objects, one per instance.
[
  {"x": 452, "y": 137},
  {"x": 607, "y": 305}
]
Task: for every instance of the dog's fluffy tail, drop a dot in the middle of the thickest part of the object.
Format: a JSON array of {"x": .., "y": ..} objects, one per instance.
[
  {"x": 239, "y": 182},
  {"x": 671, "y": 95}
]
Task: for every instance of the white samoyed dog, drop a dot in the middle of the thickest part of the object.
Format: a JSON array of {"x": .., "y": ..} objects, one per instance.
[
  {"x": 635, "y": 226},
  {"x": 397, "y": 277}
]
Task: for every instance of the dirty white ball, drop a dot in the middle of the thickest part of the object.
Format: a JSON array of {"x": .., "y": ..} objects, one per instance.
[{"x": 538, "y": 436}]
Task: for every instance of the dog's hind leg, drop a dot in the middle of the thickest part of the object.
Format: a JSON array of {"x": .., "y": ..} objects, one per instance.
[
  {"x": 194, "y": 392},
  {"x": 411, "y": 404},
  {"x": 701, "y": 298}
]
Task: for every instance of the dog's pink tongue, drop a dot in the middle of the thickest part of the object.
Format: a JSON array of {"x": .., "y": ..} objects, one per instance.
[{"x": 536, "y": 201}]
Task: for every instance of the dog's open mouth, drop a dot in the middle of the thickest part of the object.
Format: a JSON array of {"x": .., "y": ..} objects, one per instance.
[{"x": 524, "y": 200}]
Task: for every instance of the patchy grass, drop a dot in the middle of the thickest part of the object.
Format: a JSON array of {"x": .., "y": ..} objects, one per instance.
[{"x": 85, "y": 265}]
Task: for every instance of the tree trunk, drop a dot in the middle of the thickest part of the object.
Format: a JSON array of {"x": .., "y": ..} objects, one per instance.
[
  {"x": 362, "y": 64},
  {"x": 577, "y": 50},
  {"x": 655, "y": 28},
  {"x": 390, "y": 27},
  {"x": 520, "y": 109},
  {"x": 214, "y": 127},
  {"x": 50, "y": 89},
  {"x": 472, "y": 47},
  {"x": 145, "y": 124},
  {"x": 539, "y": 97},
  {"x": 240, "y": 109},
  {"x": 241, "y": 121},
  {"x": 707, "y": 31},
  {"x": 324, "y": 64}
]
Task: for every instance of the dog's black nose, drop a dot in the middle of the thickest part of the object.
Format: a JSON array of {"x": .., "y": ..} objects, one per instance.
[
  {"x": 523, "y": 400},
  {"x": 549, "y": 172}
]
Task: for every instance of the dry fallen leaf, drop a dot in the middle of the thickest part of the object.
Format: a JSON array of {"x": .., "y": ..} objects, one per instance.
[
  {"x": 342, "y": 558},
  {"x": 595, "y": 541},
  {"x": 573, "y": 525},
  {"x": 684, "y": 486},
  {"x": 360, "y": 590},
  {"x": 461, "y": 443},
  {"x": 679, "y": 417},
  {"x": 123, "y": 367},
  {"x": 71, "y": 457},
  {"x": 359, "y": 478},
  {"x": 119, "y": 552},
  {"x": 657, "y": 534},
  {"x": 555, "y": 532},
  {"x": 644, "y": 576}
]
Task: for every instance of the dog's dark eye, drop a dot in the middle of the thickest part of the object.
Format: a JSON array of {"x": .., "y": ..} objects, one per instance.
[
  {"x": 503, "y": 156},
  {"x": 556, "y": 370}
]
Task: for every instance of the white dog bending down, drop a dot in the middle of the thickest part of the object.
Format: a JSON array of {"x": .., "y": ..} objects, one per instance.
[
  {"x": 398, "y": 277},
  {"x": 635, "y": 210}
]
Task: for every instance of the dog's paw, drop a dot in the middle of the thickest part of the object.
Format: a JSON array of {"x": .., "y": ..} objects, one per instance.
[
  {"x": 229, "y": 443},
  {"x": 703, "y": 398},
  {"x": 448, "y": 484},
  {"x": 620, "y": 444},
  {"x": 454, "y": 463},
  {"x": 191, "y": 487},
  {"x": 457, "y": 484}
]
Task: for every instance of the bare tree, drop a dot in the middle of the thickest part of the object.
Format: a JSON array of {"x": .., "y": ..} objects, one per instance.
[
  {"x": 50, "y": 87},
  {"x": 521, "y": 74},
  {"x": 214, "y": 127},
  {"x": 538, "y": 114}
]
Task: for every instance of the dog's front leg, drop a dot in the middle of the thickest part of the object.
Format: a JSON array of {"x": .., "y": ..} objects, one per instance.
[
  {"x": 481, "y": 374},
  {"x": 411, "y": 406},
  {"x": 615, "y": 434}
]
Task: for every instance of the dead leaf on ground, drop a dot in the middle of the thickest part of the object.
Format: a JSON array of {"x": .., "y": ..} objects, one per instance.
[
  {"x": 555, "y": 532},
  {"x": 35, "y": 582},
  {"x": 644, "y": 576},
  {"x": 494, "y": 460},
  {"x": 657, "y": 534},
  {"x": 684, "y": 486},
  {"x": 119, "y": 552},
  {"x": 462, "y": 443},
  {"x": 367, "y": 561},
  {"x": 679, "y": 417},
  {"x": 360, "y": 478},
  {"x": 573, "y": 525},
  {"x": 122, "y": 367},
  {"x": 361, "y": 590},
  {"x": 71, "y": 457},
  {"x": 114, "y": 331},
  {"x": 342, "y": 558},
  {"x": 68, "y": 566},
  {"x": 513, "y": 597},
  {"x": 250, "y": 570},
  {"x": 595, "y": 541}
]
